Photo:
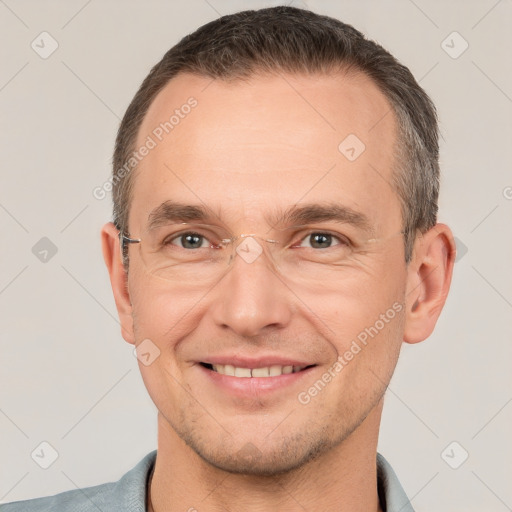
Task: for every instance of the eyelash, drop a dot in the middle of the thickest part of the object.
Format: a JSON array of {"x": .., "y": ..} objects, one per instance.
[{"x": 343, "y": 240}]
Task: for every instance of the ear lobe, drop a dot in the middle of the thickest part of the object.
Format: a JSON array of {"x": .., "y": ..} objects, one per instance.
[
  {"x": 118, "y": 279},
  {"x": 428, "y": 282}
]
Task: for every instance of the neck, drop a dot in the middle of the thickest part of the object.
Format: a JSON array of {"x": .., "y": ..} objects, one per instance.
[{"x": 343, "y": 478}]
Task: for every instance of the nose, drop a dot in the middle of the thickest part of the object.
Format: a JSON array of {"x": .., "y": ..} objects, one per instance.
[{"x": 251, "y": 297}]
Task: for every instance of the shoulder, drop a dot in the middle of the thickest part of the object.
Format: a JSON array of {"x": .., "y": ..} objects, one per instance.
[
  {"x": 126, "y": 495},
  {"x": 78, "y": 500}
]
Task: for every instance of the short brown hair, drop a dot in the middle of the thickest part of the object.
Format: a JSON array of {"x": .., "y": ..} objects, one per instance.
[{"x": 291, "y": 40}]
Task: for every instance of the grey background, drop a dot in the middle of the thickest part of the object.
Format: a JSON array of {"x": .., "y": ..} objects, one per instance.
[{"x": 68, "y": 377}]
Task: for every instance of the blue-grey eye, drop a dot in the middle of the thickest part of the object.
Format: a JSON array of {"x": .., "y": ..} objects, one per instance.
[
  {"x": 320, "y": 240},
  {"x": 190, "y": 241}
]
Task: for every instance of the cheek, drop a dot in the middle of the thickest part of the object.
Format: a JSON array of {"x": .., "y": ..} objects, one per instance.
[
  {"x": 368, "y": 330},
  {"x": 367, "y": 353},
  {"x": 161, "y": 320},
  {"x": 363, "y": 304},
  {"x": 367, "y": 315},
  {"x": 159, "y": 313}
]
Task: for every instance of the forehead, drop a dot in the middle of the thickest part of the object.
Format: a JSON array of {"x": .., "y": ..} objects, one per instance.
[{"x": 244, "y": 148}]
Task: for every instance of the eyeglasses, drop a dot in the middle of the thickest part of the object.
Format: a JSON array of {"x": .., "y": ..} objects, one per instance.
[{"x": 192, "y": 253}]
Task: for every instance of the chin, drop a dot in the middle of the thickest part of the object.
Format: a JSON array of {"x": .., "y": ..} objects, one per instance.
[{"x": 291, "y": 453}]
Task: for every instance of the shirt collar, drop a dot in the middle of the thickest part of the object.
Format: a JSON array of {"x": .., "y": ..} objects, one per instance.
[{"x": 391, "y": 494}]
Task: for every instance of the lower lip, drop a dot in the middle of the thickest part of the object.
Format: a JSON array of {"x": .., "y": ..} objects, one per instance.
[{"x": 254, "y": 386}]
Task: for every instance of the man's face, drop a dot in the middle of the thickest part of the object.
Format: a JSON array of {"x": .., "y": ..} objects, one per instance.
[{"x": 248, "y": 150}]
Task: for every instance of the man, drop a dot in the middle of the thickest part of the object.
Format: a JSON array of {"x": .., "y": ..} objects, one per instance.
[{"x": 274, "y": 242}]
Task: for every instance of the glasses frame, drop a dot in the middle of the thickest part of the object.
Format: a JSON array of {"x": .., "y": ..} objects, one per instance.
[{"x": 125, "y": 240}]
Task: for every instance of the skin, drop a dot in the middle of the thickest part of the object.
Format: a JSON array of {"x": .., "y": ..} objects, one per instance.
[{"x": 247, "y": 148}]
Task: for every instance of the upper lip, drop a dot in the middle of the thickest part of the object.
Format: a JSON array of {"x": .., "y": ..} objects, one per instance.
[{"x": 255, "y": 362}]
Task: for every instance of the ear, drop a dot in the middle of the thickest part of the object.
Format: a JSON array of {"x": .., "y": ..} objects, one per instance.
[
  {"x": 118, "y": 279},
  {"x": 428, "y": 281}
]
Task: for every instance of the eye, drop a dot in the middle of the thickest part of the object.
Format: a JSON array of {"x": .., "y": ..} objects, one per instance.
[
  {"x": 323, "y": 240},
  {"x": 189, "y": 240}
]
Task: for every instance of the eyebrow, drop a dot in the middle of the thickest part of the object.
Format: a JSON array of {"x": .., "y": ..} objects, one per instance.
[{"x": 174, "y": 211}]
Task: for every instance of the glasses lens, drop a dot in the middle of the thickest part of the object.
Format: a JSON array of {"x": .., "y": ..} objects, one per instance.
[
  {"x": 199, "y": 254},
  {"x": 179, "y": 252}
]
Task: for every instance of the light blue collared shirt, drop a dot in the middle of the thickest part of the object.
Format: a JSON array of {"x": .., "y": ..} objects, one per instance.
[{"x": 129, "y": 493}]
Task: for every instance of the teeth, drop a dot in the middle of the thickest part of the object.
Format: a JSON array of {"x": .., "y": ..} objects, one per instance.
[
  {"x": 260, "y": 372},
  {"x": 267, "y": 371},
  {"x": 242, "y": 372},
  {"x": 275, "y": 370},
  {"x": 229, "y": 369}
]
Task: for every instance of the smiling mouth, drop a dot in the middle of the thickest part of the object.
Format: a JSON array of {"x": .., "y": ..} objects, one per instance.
[{"x": 266, "y": 371}]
